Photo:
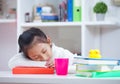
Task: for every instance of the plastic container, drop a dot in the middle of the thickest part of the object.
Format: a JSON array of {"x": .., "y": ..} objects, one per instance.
[
  {"x": 27, "y": 17},
  {"x": 61, "y": 66}
]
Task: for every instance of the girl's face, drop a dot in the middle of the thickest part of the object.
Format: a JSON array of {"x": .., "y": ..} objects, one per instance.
[{"x": 40, "y": 52}]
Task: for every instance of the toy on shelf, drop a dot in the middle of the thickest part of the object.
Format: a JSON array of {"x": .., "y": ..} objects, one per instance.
[{"x": 94, "y": 53}]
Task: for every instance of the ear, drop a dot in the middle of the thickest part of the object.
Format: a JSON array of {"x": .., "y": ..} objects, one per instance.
[{"x": 49, "y": 40}]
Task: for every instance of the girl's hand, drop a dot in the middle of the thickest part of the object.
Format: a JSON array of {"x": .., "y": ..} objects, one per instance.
[{"x": 50, "y": 63}]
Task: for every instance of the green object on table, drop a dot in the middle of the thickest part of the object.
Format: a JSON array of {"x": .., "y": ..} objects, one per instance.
[{"x": 106, "y": 74}]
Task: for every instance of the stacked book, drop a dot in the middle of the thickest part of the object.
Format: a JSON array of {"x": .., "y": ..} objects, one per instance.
[
  {"x": 49, "y": 17},
  {"x": 70, "y": 10},
  {"x": 87, "y": 67}
]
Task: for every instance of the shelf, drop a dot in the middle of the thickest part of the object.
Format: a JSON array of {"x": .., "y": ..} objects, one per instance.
[
  {"x": 90, "y": 33},
  {"x": 51, "y": 24},
  {"x": 7, "y": 20},
  {"x": 101, "y": 23},
  {"x": 60, "y": 24},
  {"x": 8, "y": 77}
]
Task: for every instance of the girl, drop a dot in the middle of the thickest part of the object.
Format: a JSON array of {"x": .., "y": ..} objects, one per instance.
[{"x": 36, "y": 49}]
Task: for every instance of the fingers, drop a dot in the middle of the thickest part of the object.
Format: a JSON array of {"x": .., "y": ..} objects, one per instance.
[{"x": 50, "y": 63}]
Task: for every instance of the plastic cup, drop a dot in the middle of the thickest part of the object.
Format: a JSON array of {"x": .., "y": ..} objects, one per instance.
[{"x": 61, "y": 66}]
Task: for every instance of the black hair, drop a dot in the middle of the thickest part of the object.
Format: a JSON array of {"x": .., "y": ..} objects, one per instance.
[{"x": 26, "y": 39}]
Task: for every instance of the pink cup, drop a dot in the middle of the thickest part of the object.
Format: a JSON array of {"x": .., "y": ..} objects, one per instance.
[{"x": 61, "y": 66}]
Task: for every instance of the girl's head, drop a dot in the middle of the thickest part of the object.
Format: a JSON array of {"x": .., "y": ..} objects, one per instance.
[{"x": 35, "y": 45}]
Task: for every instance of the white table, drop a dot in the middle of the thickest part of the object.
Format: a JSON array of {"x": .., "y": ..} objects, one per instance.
[{"x": 8, "y": 77}]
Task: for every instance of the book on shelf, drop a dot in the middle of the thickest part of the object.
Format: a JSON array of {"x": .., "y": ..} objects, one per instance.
[
  {"x": 49, "y": 17},
  {"x": 102, "y": 61},
  {"x": 77, "y": 10},
  {"x": 32, "y": 70},
  {"x": 70, "y": 10},
  {"x": 63, "y": 11}
]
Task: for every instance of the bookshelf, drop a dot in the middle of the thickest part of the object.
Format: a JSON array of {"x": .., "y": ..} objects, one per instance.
[
  {"x": 82, "y": 36},
  {"x": 7, "y": 20},
  {"x": 8, "y": 11},
  {"x": 75, "y": 36},
  {"x": 101, "y": 23},
  {"x": 52, "y": 24}
]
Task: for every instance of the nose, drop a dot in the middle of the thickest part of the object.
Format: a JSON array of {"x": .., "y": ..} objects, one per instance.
[{"x": 44, "y": 57}]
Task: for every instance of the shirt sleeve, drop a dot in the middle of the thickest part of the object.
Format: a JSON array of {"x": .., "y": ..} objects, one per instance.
[
  {"x": 60, "y": 52},
  {"x": 20, "y": 60},
  {"x": 68, "y": 54}
]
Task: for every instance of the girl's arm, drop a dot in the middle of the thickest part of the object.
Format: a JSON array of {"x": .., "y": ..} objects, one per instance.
[{"x": 21, "y": 60}]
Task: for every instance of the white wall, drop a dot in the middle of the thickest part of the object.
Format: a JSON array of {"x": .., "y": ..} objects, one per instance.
[
  {"x": 66, "y": 37},
  {"x": 8, "y": 36},
  {"x": 110, "y": 36},
  {"x": 8, "y": 43}
]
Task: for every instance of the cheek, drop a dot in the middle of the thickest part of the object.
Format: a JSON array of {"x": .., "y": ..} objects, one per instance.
[
  {"x": 30, "y": 54},
  {"x": 33, "y": 54},
  {"x": 50, "y": 52}
]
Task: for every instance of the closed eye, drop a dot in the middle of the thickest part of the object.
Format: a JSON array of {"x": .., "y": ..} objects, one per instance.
[
  {"x": 36, "y": 57},
  {"x": 44, "y": 51}
]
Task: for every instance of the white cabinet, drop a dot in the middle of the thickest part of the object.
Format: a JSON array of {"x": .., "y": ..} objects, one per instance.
[
  {"x": 77, "y": 36},
  {"x": 101, "y": 34},
  {"x": 62, "y": 33}
]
